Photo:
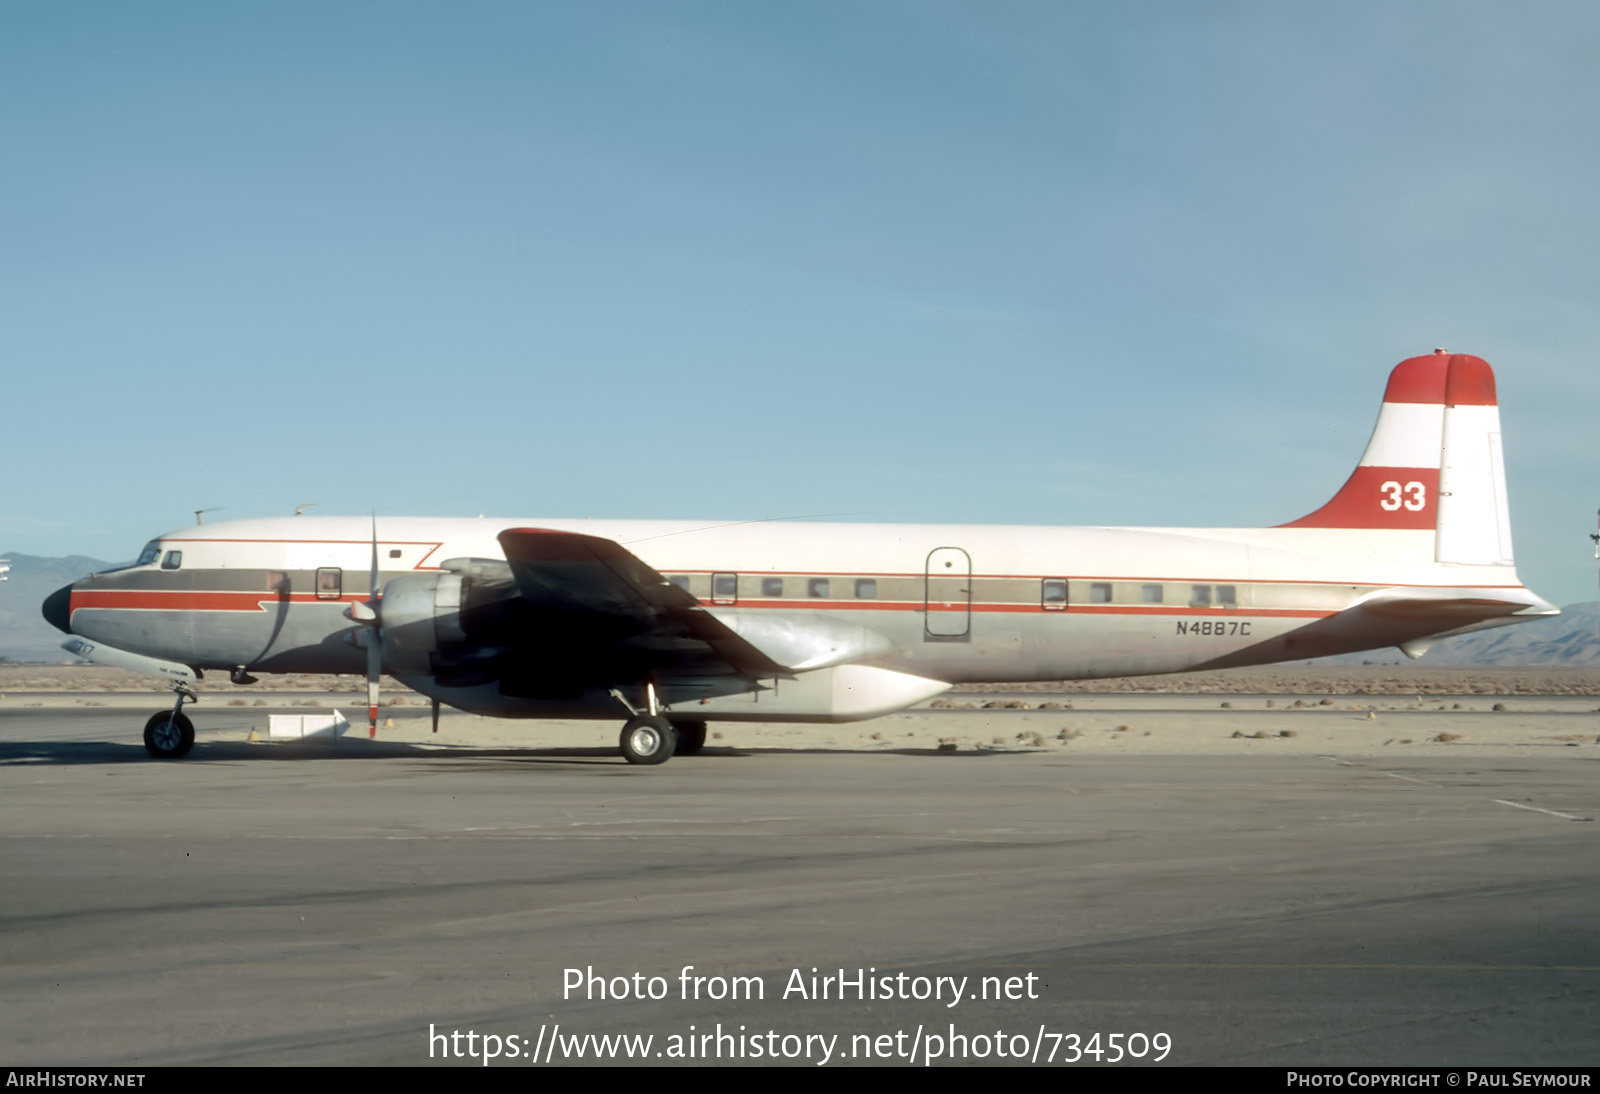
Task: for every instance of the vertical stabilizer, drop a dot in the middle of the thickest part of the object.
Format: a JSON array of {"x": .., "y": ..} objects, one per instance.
[
  {"x": 1433, "y": 465},
  {"x": 1474, "y": 520},
  {"x": 1396, "y": 484}
]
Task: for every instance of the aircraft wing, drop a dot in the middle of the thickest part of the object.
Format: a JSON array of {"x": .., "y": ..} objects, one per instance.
[
  {"x": 608, "y": 599},
  {"x": 570, "y": 571}
]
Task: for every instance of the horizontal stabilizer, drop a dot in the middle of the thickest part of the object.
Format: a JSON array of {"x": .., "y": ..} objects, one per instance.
[
  {"x": 1410, "y": 618},
  {"x": 1455, "y": 607}
]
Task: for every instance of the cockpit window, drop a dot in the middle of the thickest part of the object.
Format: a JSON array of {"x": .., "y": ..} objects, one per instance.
[
  {"x": 329, "y": 579},
  {"x": 151, "y": 552},
  {"x": 173, "y": 560}
]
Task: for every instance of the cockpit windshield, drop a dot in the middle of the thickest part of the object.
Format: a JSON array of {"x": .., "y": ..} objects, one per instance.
[{"x": 151, "y": 552}]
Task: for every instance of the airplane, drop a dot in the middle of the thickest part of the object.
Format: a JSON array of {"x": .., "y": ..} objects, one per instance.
[{"x": 674, "y": 624}]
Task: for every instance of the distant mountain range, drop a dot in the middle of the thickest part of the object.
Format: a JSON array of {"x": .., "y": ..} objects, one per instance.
[
  {"x": 24, "y": 635},
  {"x": 1568, "y": 640}
]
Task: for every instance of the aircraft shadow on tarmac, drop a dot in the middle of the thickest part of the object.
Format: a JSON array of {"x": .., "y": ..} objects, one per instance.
[{"x": 70, "y": 753}]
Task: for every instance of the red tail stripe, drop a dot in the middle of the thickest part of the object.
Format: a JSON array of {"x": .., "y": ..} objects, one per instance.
[
  {"x": 1364, "y": 500},
  {"x": 1471, "y": 382},
  {"x": 1454, "y": 379},
  {"x": 1418, "y": 380}
]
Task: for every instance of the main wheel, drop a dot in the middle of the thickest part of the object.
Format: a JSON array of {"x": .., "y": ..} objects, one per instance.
[
  {"x": 168, "y": 735},
  {"x": 691, "y": 737},
  {"x": 647, "y": 740}
]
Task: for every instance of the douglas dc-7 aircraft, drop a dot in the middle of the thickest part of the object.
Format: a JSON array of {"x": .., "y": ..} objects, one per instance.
[{"x": 681, "y": 623}]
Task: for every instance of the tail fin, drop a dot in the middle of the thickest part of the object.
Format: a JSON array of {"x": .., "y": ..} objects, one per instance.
[{"x": 1433, "y": 464}]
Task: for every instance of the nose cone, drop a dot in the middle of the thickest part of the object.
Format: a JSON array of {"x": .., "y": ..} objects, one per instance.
[{"x": 57, "y": 609}]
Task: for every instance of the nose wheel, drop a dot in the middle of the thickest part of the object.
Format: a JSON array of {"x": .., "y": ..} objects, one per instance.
[{"x": 168, "y": 735}]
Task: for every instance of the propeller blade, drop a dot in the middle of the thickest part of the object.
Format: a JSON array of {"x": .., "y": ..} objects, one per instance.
[
  {"x": 372, "y": 583},
  {"x": 374, "y": 667},
  {"x": 375, "y": 639}
]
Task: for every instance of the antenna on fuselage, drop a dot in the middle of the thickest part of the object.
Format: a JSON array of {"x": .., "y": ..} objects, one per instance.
[
  {"x": 307, "y": 505},
  {"x": 200, "y": 514}
]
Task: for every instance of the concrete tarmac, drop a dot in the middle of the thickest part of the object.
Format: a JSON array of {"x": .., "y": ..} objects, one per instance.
[{"x": 305, "y": 904}]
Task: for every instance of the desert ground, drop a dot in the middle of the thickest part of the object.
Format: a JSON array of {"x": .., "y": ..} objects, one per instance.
[{"x": 1348, "y": 710}]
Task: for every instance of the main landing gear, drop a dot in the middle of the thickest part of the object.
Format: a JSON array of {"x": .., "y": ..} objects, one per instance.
[
  {"x": 691, "y": 737},
  {"x": 169, "y": 735},
  {"x": 650, "y": 738}
]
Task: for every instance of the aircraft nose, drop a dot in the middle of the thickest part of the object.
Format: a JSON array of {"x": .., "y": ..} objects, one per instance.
[{"x": 57, "y": 609}]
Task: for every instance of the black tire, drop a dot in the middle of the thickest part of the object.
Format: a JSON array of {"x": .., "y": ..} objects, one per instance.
[
  {"x": 691, "y": 737},
  {"x": 647, "y": 740},
  {"x": 168, "y": 735}
]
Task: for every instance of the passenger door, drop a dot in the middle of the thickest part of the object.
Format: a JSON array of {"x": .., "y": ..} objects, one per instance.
[{"x": 947, "y": 598}]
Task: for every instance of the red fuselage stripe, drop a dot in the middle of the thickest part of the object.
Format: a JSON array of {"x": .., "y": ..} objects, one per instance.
[{"x": 157, "y": 600}]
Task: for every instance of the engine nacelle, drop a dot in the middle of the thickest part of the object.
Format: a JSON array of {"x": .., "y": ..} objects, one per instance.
[
  {"x": 420, "y": 615},
  {"x": 426, "y": 619}
]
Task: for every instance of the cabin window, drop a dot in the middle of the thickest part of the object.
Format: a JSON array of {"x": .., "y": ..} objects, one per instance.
[
  {"x": 329, "y": 580},
  {"x": 1150, "y": 594},
  {"x": 394, "y": 552},
  {"x": 277, "y": 581},
  {"x": 1100, "y": 592},
  {"x": 173, "y": 560},
  {"x": 724, "y": 588},
  {"x": 151, "y": 552},
  {"x": 680, "y": 580},
  {"x": 1200, "y": 596},
  {"x": 817, "y": 586},
  {"x": 1053, "y": 594},
  {"x": 866, "y": 588},
  {"x": 772, "y": 586},
  {"x": 1227, "y": 596}
]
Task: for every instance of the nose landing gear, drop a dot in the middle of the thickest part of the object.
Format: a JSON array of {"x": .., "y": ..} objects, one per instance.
[{"x": 169, "y": 735}]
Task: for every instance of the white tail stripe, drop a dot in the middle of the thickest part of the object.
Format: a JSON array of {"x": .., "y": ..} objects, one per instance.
[{"x": 1407, "y": 435}]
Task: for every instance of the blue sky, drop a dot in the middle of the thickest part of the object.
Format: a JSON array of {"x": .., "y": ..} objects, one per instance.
[{"x": 1058, "y": 263}]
